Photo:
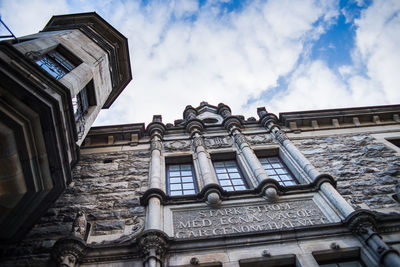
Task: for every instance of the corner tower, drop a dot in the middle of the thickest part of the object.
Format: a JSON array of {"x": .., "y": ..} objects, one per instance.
[{"x": 53, "y": 84}]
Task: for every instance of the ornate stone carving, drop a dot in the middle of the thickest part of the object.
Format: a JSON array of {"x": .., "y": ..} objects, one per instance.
[
  {"x": 198, "y": 141},
  {"x": 68, "y": 252},
  {"x": 155, "y": 145},
  {"x": 240, "y": 138},
  {"x": 176, "y": 145},
  {"x": 153, "y": 244},
  {"x": 280, "y": 136},
  {"x": 259, "y": 139},
  {"x": 218, "y": 142},
  {"x": 79, "y": 225}
]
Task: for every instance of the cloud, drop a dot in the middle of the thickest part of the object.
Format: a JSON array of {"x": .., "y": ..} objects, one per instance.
[
  {"x": 183, "y": 52},
  {"x": 217, "y": 57},
  {"x": 372, "y": 79}
]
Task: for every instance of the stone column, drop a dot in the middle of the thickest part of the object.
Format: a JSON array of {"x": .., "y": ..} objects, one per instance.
[
  {"x": 270, "y": 122},
  {"x": 195, "y": 127},
  {"x": 156, "y": 130},
  {"x": 233, "y": 125},
  {"x": 362, "y": 223}
]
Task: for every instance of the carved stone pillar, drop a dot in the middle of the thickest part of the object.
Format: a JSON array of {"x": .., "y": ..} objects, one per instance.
[
  {"x": 195, "y": 127},
  {"x": 68, "y": 252},
  {"x": 233, "y": 125},
  {"x": 153, "y": 245},
  {"x": 270, "y": 122},
  {"x": 156, "y": 130},
  {"x": 362, "y": 223}
]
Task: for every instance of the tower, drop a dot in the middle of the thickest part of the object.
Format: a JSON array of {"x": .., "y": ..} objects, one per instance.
[{"x": 53, "y": 85}]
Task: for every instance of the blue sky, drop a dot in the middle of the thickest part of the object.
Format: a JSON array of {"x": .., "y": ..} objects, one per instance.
[{"x": 284, "y": 55}]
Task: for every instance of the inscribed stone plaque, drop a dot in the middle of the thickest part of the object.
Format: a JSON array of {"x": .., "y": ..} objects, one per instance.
[{"x": 246, "y": 218}]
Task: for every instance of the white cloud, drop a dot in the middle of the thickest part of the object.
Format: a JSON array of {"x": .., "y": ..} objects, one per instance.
[
  {"x": 372, "y": 80},
  {"x": 183, "y": 53}
]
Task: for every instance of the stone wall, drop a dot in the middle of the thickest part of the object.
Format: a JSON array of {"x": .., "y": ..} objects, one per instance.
[
  {"x": 107, "y": 192},
  {"x": 366, "y": 170}
]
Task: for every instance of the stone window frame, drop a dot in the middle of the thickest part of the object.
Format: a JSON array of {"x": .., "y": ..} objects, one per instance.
[
  {"x": 384, "y": 139},
  {"x": 233, "y": 154},
  {"x": 179, "y": 158},
  {"x": 283, "y": 167},
  {"x": 343, "y": 255},
  {"x": 62, "y": 51},
  {"x": 279, "y": 151},
  {"x": 230, "y": 179},
  {"x": 168, "y": 179},
  {"x": 285, "y": 260}
]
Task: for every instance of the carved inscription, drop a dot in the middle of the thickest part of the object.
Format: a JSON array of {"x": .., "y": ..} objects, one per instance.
[{"x": 249, "y": 218}]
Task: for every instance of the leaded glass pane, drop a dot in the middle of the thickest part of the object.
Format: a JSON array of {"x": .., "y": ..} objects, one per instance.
[
  {"x": 277, "y": 170},
  {"x": 180, "y": 180},
  {"x": 228, "y": 173}
]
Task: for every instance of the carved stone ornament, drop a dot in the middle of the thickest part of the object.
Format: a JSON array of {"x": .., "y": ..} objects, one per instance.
[
  {"x": 280, "y": 136},
  {"x": 240, "y": 138},
  {"x": 176, "y": 145},
  {"x": 259, "y": 139},
  {"x": 79, "y": 225},
  {"x": 155, "y": 145},
  {"x": 33, "y": 55},
  {"x": 218, "y": 142},
  {"x": 360, "y": 221},
  {"x": 153, "y": 244},
  {"x": 198, "y": 141},
  {"x": 135, "y": 226},
  {"x": 67, "y": 252}
]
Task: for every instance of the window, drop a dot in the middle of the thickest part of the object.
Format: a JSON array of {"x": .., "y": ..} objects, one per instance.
[
  {"x": 181, "y": 180},
  {"x": 57, "y": 63},
  {"x": 229, "y": 175},
  {"x": 343, "y": 257},
  {"x": 277, "y": 170},
  {"x": 343, "y": 264},
  {"x": 83, "y": 100},
  {"x": 288, "y": 260}
]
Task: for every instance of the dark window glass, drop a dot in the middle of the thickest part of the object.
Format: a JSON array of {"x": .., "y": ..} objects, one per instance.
[
  {"x": 55, "y": 64},
  {"x": 343, "y": 264},
  {"x": 80, "y": 104},
  {"x": 277, "y": 170},
  {"x": 180, "y": 180},
  {"x": 229, "y": 175}
]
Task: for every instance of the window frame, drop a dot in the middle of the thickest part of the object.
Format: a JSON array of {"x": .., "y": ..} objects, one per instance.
[
  {"x": 342, "y": 255},
  {"x": 51, "y": 56},
  {"x": 284, "y": 167},
  {"x": 240, "y": 172},
  {"x": 168, "y": 178}
]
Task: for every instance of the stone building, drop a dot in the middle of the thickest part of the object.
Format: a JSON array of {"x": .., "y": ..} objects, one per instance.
[{"x": 312, "y": 188}]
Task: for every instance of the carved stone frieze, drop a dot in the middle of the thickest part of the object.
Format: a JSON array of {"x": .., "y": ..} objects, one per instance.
[
  {"x": 218, "y": 142},
  {"x": 176, "y": 145},
  {"x": 259, "y": 139}
]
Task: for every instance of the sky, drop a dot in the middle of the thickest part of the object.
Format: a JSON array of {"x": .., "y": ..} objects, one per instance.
[{"x": 285, "y": 55}]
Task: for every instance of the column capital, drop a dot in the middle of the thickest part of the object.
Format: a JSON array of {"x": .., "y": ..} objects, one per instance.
[
  {"x": 68, "y": 251},
  {"x": 194, "y": 126},
  {"x": 153, "y": 244},
  {"x": 156, "y": 127}
]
